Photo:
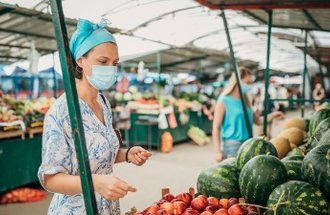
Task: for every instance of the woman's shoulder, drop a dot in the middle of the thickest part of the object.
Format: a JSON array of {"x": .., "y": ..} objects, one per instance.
[{"x": 59, "y": 108}]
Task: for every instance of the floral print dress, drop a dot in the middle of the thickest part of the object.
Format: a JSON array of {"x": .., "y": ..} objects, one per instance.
[{"x": 59, "y": 156}]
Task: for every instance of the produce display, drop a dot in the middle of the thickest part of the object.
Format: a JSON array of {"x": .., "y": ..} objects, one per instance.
[
  {"x": 297, "y": 197},
  {"x": 22, "y": 195},
  {"x": 187, "y": 204},
  {"x": 220, "y": 181},
  {"x": 31, "y": 112},
  {"x": 198, "y": 135},
  {"x": 316, "y": 168},
  {"x": 260, "y": 176},
  {"x": 252, "y": 148},
  {"x": 298, "y": 184}
]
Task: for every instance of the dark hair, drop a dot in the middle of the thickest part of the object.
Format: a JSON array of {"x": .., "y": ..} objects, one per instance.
[{"x": 77, "y": 70}]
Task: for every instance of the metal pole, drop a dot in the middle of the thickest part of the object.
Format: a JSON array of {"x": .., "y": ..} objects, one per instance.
[
  {"x": 73, "y": 106},
  {"x": 54, "y": 77},
  {"x": 269, "y": 36},
  {"x": 304, "y": 76},
  {"x": 158, "y": 71},
  {"x": 237, "y": 75}
]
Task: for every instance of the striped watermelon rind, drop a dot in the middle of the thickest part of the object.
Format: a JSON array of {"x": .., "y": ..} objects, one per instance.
[
  {"x": 253, "y": 147},
  {"x": 297, "y": 197},
  {"x": 321, "y": 129},
  {"x": 293, "y": 168},
  {"x": 220, "y": 181},
  {"x": 316, "y": 118},
  {"x": 293, "y": 158},
  {"x": 316, "y": 168},
  {"x": 259, "y": 177}
]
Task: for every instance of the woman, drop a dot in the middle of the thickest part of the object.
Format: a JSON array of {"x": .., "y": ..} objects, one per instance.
[
  {"x": 229, "y": 127},
  {"x": 95, "y": 53}
]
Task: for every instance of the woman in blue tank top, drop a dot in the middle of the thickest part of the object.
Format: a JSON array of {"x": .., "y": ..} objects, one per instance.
[{"x": 229, "y": 127}]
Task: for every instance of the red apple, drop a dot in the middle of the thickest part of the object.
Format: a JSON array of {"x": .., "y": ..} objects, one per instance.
[
  {"x": 190, "y": 211},
  {"x": 179, "y": 207},
  {"x": 162, "y": 212},
  {"x": 152, "y": 209},
  {"x": 236, "y": 210},
  {"x": 150, "y": 213},
  {"x": 206, "y": 213},
  {"x": 199, "y": 203},
  {"x": 161, "y": 201},
  {"x": 221, "y": 211},
  {"x": 232, "y": 201},
  {"x": 168, "y": 197},
  {"x": 213, "y": 201},
  {"x": 185, "y": 197},
  {"x": 202, "y": 196},
  {"x": 224, "y": 203},
  {"x": 168, "y": 207},
  {"x": 212, "y": 208}
]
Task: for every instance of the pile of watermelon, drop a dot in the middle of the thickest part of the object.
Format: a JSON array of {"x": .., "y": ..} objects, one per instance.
[{"x": 289, "y": 175}]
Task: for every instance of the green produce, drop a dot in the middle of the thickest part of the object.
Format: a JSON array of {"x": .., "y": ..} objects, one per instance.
[
  {"x": 326, "y": 105},
  {"x": 325, "y": 139},
  {"x": 307, "y": 122},
  {"x": 316, "y": 118},
  {"x": 220, "y": 181},
  {"x": 297, "y": 198},
  {"x": 293, "y": 158},
  {"x": 253, "y": 147},
  {"x": 316, "y": 168},
  {"x": 260, "y": 176},
  {"x": 295, "y": 151},
  {"x": 293, "y": 168},
  {"x": 323, "y": 127}
]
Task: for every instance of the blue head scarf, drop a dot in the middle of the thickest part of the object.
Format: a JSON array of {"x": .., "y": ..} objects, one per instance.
[{"x": 87, "y": 36}]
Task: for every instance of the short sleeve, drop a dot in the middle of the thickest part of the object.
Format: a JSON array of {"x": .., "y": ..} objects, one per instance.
[{"x": 55, "y": 149}]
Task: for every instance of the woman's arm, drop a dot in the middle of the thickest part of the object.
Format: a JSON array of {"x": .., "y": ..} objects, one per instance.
[
  {"x": 216, "y": 127},
  {"x": 259, "y": 120},
  {"x": 109, "y": 186},
  {"x": 137, "y": 155}
]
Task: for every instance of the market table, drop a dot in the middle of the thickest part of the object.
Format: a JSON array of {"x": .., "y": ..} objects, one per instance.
[{"x": 19, "y": 161}]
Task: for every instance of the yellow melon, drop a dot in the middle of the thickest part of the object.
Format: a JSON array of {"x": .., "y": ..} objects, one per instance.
[
  {"x": 294, "y": 135},
  {"x": 282, "y": 146},
  {"x": 295, "y": 123}
]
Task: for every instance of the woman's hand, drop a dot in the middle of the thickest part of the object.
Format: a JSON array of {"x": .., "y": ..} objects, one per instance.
[
  {"x": 138, "y": 155},
  {"x": 219, "y": 156},
  {"x": 111, "y": 187}
]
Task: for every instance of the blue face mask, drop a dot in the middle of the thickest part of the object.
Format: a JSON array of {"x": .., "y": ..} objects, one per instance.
[
  {"x": 103, "y": 77},
  {"x": 246, "y": 88}
]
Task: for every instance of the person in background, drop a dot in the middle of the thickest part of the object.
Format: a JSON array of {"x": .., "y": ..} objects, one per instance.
[
  {"x": 229, "y": 127},
  {"x": 318, "y": 94},
  {"x": 95, "y": 54}
]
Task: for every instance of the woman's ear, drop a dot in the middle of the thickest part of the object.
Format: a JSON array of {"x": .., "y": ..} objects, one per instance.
[{"x": 79, "y": 62}]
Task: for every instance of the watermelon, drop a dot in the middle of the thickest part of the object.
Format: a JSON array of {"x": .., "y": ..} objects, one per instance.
[
  {"x": 293, "y": 158},
  {"x": 220, "y": 181},
  {"x": 253, "y": 147},
  {"x": 316, "y": 118},
  {"x": 295, "y": 151},
  {"x": 297, "y": 198},
  {"x": 319, "y": 131},
  {"x": 325, "y": 139},
  {"x": 259, "y": 177},
  {"x": 293, "y": 168},
  {"x": 316, "y": 168}
]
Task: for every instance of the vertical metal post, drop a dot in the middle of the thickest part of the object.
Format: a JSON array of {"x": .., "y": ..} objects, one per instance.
[
  {"x": 269, "y": 36},
  {"x": 321, "y": 74},
  {"x": 237, "y": 75},
  {"x": 304, "y": 76},
  {"x": 73, "y": 106},
  {"x": 55, "y": 83},
  {"x": 158, "y": 71}
]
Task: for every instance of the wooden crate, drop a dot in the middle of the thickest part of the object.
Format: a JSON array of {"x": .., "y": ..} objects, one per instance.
[
  {"x": 11, "y": 134},
  {"x": 32, "y": 131}
]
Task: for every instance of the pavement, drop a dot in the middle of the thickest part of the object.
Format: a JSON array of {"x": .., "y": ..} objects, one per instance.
[{"x": 177, "y": 171}]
